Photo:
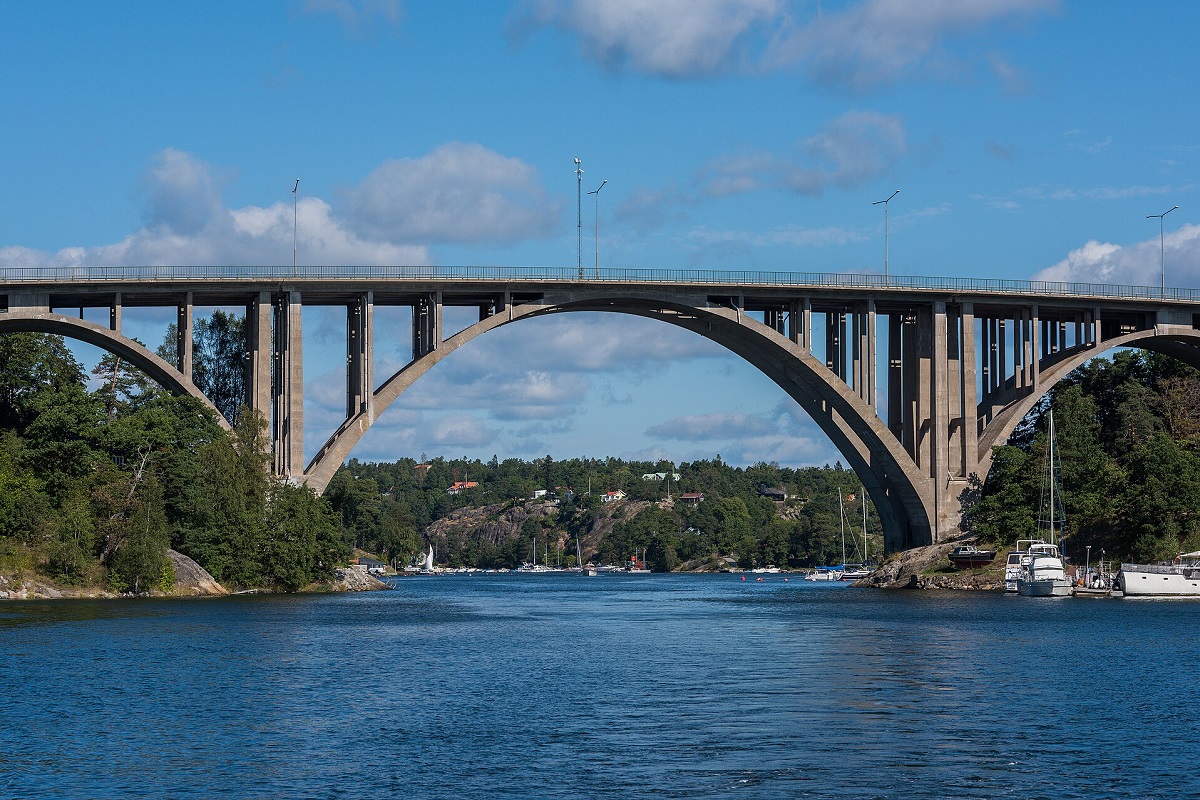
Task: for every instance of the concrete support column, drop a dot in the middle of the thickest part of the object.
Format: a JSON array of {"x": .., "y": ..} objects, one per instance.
[
  {"x": 1001, "y": 353},
  {"x": 260, "y": 355},
  {"x": 288, "y": 424},
  {"x": 895, "y": 388},
  {"x": 806, "y": 324},
  {"x": 427, "y": 324},
  {"x": 857, "y": 346},
  {"x": 1035, "y": 364},
  {"x": 970, "y": 400},
  {"x": 955, "y": 411},
  {"x": 114, "y": 314},
  {"x": 1095, "y": 331},
  {"x": 871, "y": 366},
  {"x": 939, "y": 417},
  {"x": 834, "y": 358},
  {"x": 183, "y": 334},
  {"x": 358, "y": 354},
  {"x": 921, "y": 391},
  {"x": 985, "y": 328}
]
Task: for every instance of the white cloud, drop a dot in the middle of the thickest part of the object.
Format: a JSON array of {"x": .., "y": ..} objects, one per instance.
[
  {"x": 848, "y": 151},
  {"x": 718, "y": 425},
  {"x": 1136, "y": 265},
  {"x": 863, "y": 45},
  {"x": 458, "y": 193},
  {"x": 881, "y": 41},
  {"x": 785, "y": 434},
  {"x": 187, "y": 224},
  {"x": 669, "y": 38},
  {"x": 460, "y": 430}
]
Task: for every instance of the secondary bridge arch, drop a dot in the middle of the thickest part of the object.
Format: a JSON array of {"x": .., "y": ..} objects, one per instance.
[
  {"x": 157, "y": 369},
  {"x": 912, "y": 378}
]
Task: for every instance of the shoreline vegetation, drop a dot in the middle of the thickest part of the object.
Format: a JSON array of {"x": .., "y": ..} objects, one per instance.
[{"x": 111, "y": 487}]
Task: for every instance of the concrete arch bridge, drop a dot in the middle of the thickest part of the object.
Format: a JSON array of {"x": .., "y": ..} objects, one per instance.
[{"x": 913, "y": 379}]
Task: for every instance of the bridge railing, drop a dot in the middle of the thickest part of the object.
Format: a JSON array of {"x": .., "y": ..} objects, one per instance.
[{"x": 738, "y": 278}]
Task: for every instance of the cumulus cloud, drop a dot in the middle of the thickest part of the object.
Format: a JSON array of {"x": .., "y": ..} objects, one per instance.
[
  {"x": 188, "y": 224},
  {"x": 850, "y": 150},
  {"x": 1134, "y": 265},
  {"x": 669, "y": 38},
  {"x": 720, "y": 425},
  {"x": 863, "y": 45},
  {"x": 881, "y": 41},
  {"x": 785, "y": 434},
  {"x": 458, "y": 193}
]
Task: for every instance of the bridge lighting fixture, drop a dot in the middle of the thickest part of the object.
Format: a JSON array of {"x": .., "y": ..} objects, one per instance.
[
  {"x": 1162, "y": 253},
  {"x": 597, "y": 193},
  {"x": 579, "y": 212},
  {"x": 885, "y": 233},
  {"x": 295, "y": 222}
]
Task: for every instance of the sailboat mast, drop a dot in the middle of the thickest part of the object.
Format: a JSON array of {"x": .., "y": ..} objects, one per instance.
[
  {"x": 842, "y": 519},
  {"x": 862, "y": 493},
  {"x": 1052, "y": 476}
]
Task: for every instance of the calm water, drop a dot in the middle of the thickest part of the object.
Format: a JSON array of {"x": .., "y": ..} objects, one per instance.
[{"x": 606, "y": 687}]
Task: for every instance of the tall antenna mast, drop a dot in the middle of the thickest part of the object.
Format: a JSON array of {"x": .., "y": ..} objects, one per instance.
[{"x": 579, "y": 211}]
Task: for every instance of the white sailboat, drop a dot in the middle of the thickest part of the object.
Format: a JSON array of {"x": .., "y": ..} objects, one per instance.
[
  {"x": 583, "y": 569},
  {"x": 1044, "y": 574},
  {"x": 854, "y": 572}
]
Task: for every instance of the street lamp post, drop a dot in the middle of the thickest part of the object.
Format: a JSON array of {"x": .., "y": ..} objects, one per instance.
[
  {"x": 295, "y": 222},
  {"x": 597, "y": 193},
  {"x": 579, "y": 211},
  {"x": 885, "y": 233},
  {"x": 1162, "y": 253}
]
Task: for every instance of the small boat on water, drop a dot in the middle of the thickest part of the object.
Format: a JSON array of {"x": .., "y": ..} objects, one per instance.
[
  {"x": 1018, "y": 559},
  {"x": 824, "y": 574},
  {"x": 1045, "y": 575},
  {"x": 854, "y": 572},
  {"x": 1181, "y": 578},
  {"x": 968, "y": 556}
]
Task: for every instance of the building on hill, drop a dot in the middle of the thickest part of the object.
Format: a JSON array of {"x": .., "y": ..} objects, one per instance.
[
  {"x": 771, "y": 493},
  {"x": 460, "y": 486},
  {"x": 691, "y": 498},
  {"x": 609, "y": 497},
  {"x": 661, "y": 476}
]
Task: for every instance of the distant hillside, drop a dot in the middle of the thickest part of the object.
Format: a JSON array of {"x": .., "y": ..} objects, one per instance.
[{"x": 496, "y": 513}]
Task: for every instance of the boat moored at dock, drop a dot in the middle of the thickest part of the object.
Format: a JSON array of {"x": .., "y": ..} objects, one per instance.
[{"x": 1180, "y": 578}]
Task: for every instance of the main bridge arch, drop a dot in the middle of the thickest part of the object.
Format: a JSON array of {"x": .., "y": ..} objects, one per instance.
[
  {"x": 895, "y": 484},
  {"x": 137, "y": 354}
]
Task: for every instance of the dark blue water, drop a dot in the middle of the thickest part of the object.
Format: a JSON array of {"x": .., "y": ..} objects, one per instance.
[{"x": 607, "y": 687}]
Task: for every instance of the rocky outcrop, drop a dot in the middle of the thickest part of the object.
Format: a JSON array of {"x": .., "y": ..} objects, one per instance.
[
  {"x": 353, "y": 579},
  {"x": 928, "y": 568},
  {"x": 191, "y": 579}
]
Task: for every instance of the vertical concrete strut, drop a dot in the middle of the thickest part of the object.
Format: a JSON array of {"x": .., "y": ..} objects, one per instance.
[
  {"x": 359, "y": 383},
  {"x": 183, "y": 335},
  {"x": 972, "y": 424},
  {"x": 260, "y": 354},
  {"x": 287, "y": 422},
  {"x": 939, "y": 413}
]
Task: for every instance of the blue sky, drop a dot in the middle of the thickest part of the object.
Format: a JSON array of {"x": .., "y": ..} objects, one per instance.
[{"x": 1028, "y": 139}]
